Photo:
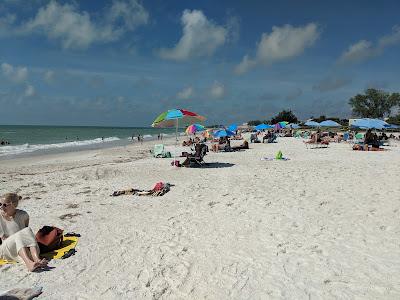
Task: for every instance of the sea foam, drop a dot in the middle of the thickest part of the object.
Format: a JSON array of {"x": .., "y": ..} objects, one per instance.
[{"x": 27, "y": 148}]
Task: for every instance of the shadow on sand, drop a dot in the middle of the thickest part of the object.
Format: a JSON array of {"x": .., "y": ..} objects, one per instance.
[{"x": 218, "y": 165}]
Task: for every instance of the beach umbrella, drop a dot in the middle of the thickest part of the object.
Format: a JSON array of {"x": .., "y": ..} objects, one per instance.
[
  {"x": 369, "y": 124},
  {"x": 172, "y": 117},
  {"x": 312, "y": 124},
  {"x": 263, "y": 126},
  {"x": 277, "y": 126},
  {"x": 223, "y": 133},
  {"x": 192, "y": 129},
  {"x": 329, "y": 123},
  {"x": 232, "y": 127},
  {"x": 283, "y": 124}
]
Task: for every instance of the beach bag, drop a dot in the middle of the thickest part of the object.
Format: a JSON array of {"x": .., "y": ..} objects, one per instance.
[
  {"x": 176, "y": 163},
  {"x": 279, "y": 155},
  {"x": 49, "y": 238}
]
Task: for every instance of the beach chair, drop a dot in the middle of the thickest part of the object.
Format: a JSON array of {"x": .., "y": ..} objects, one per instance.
[
  {"x": 297, "y": 134},
  {"x": 196, "y": 159},
  {"x": 159, "y": 151},
  {"x": 272, "y": 139},
  {"x": 254, "y": 138}
]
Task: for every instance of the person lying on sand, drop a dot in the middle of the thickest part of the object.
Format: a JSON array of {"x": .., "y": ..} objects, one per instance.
[
  {"x": 358, "y": 147},
  {"x": 18, "y": 240},
  {"x": 244, "y": 145}
]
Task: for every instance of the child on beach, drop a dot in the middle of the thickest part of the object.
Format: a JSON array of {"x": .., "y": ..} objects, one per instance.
[{"x": 18, "y": 240}]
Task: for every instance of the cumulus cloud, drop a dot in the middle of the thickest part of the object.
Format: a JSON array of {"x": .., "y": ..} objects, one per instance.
[
  {"x": 281, "y": 44},
  {"x": 363, "y": 49},
  {"x": 201, "y": 37},
  {"x": 16, "y": 74},
  {"x": 77, "y": 30},
  {"x": 217, "y": 90},
  {"x": 29, "y": 91},
  {"x": 331, "y": 84},
  {"x": 186, "y": 93}
]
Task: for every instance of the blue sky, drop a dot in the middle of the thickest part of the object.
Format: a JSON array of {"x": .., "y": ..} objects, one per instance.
[{"x": 122, "y": 62}]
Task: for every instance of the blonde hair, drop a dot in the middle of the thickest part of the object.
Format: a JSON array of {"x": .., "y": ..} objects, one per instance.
[{"x": 13, "y": 198}]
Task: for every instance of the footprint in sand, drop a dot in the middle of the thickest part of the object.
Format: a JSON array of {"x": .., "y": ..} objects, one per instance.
[
  {"x": 72, "y": 205},
  {"x": 69, "y": 216}
]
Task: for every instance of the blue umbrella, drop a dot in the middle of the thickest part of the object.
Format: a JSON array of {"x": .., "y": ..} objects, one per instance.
[
  {"x": 232, "y": 127},
  {"x": 292, "y": 125},
  {"x": 263, "y": 126},
  {"x": 369, "y": 124},
  {"x": 223, "y": 133},
  {"x": 329, "y": 123}
]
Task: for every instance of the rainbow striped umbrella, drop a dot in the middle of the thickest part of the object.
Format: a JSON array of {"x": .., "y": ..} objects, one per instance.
[
  {"x": 194, "y": 128},
  {"x": 170, "y": 118}
]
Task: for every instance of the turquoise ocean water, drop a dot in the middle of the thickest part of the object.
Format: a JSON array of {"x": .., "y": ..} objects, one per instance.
[{"x": 26, "y": 139}]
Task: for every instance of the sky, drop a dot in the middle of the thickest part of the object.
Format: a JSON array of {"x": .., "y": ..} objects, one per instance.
[{"x": 123, "y": 62}]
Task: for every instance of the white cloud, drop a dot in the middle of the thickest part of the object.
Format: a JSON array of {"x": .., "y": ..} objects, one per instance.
[
  {"x": 29, "y": 91},
  {"x": 281, "y": 44},
  {"x": 363, "y": 49},
  {"x": 358, "y": 52},
  {"x": 48, "y": 76},
  {"x": 77, "y": 30},
  {"x": 186, "y": 93},
  {"x": 16, "y": 74},
  {"x": 217, "y": 90},
  {"x": 201, "y": 37},
  {"x": 132, "y": 13}
]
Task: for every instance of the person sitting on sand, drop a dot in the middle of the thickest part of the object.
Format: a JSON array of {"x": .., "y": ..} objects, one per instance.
[
  {"x": 221, "y": 145},
  {"x": 18, "y": 240}
]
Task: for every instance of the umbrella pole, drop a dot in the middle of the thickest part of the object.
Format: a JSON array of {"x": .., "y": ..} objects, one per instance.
[{"x": 176, "y": 141}]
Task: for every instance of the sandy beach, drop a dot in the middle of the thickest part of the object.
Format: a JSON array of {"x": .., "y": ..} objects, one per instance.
[{"x": 323, "y": 225}]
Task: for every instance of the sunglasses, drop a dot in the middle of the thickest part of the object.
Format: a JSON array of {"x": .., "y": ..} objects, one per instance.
[{"x": 4, "y": 205}]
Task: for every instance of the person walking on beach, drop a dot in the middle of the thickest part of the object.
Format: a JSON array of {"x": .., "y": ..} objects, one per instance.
[{"x": 158, "y": 137}]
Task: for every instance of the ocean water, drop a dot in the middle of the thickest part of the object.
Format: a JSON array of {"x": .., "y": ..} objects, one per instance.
[{"x": 31, "y": 140}]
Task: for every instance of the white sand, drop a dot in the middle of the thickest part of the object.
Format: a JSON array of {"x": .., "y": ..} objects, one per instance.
[{"x": 324, "y": 225}]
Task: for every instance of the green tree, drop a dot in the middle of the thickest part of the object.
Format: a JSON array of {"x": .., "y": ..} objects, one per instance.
[
  {"x": 285, "y": 115},
  {"x": 374, "y": 103}
]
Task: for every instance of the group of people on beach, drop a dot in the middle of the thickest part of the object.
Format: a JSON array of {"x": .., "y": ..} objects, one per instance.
[
  {"x": 4, "y": 142},
  {"x": 17, "y": 241}
]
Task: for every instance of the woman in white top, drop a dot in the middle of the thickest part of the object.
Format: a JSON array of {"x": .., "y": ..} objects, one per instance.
[{"x": 18, "y": 240}]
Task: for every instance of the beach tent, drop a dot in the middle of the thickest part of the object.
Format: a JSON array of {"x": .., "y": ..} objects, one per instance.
[
  {"x": 312, "y": 124},
  {"x": 329, "y": 123}
]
